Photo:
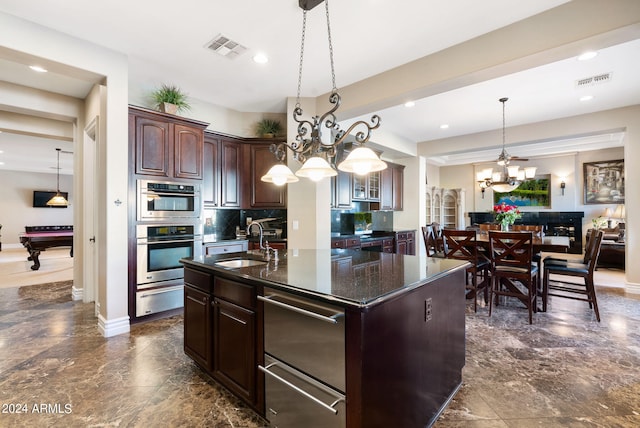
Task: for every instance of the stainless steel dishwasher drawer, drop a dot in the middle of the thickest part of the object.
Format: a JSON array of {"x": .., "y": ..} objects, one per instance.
[
  {"x": 295, "y": 400},
  {"x": 306, "y": 335}
]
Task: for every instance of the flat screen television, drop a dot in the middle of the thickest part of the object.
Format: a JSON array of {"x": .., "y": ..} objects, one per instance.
[{"x": 41, "y": 197}]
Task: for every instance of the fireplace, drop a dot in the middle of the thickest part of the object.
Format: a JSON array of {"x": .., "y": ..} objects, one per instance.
[{"x": 556, "y": 223}]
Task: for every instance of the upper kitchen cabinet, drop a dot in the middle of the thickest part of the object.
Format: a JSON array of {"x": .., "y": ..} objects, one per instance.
[
  {"x": 366, "y": 187},
  {"x": 341, "y": 186},
  {"x": 392, "y": 187},
  {"x": 258, "y": 161},
  {"x": 166, "y": 145},
  {"x": 221, "y": 184}
]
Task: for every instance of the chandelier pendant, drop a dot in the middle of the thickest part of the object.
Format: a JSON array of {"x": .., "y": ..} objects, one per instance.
[
  {"x": 508, "y": 177},
  {"x": 318, "y": 158}
]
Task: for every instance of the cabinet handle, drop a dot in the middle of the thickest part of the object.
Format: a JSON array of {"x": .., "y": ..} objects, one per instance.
[
  {"x": 332, "y": 319},
  {"x": 329, "y": 407}
]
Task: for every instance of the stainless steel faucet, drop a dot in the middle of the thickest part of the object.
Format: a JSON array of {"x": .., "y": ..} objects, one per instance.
[{"x": 265, "y": 248}]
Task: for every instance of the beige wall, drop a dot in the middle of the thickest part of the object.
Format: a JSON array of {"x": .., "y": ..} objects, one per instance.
[{"x": 625, "y": 119}]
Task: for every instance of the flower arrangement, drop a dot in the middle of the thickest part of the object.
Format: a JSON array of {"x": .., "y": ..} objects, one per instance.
[{"x": 506, "y": 215}]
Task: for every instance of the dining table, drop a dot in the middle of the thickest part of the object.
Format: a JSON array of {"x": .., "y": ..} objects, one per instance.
[{"x": 553, "y": 244}]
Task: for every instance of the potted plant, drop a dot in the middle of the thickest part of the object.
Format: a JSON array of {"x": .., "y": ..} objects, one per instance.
[
  {"x": 268, "y": 128},
  {"x": 170, "y": 99}
]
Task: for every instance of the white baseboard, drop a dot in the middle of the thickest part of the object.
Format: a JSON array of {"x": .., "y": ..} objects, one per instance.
[
  {"x": 77, "y": 293},
  {"x": 632, "y": 288},
  {"x": 109, "y": 328}
]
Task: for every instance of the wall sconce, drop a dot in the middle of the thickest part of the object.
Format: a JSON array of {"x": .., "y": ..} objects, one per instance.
[{"x": 563, "y": 185}]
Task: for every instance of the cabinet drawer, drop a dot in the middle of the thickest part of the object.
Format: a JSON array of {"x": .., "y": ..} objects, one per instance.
[
  {"x": 353, "y": 242},
  {"x": 235, "y": 292},
  {"x": 337, "y": 243},
  {"x": 200, "y": 280},
  {"x": 402, "y": 236},
  {"x": 228, "y": 248}
]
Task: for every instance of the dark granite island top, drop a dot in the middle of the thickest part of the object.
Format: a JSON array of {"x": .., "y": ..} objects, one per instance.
[
  {"x": 344, "y": 277},
  {"x": 386, "y": 338}
]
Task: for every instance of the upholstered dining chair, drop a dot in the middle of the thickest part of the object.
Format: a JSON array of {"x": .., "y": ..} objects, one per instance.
[
  {"x": 512, "y": 270},
  {"x": 559, "y": 286},
  {"x": 462, "y": 245}
]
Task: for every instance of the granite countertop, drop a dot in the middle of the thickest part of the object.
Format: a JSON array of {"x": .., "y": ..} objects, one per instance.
[{"x": 345, "y": 277}]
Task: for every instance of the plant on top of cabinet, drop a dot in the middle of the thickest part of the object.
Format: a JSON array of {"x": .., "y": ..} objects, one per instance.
[
  {"x": 170, "y": 99},
  {"x": 268, "y": 128}
]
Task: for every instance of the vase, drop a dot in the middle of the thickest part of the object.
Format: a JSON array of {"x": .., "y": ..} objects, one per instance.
[{"x": 505, "y": 226}]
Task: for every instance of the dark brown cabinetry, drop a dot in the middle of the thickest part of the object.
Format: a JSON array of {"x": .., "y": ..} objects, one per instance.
[
  {"x": 258, "y": 161},
  {"x": 385, "y": 187},
  {"x": 352, "y": 243},
  {"x": 166, "y": 145},
  {"x": 197, "y": 317},
  {"x": 392, "y": 187},
  {"x": 221, "y": 332},
  {"x": 278, "y": 245},
  {"x": 234, "y": 338},
  {"x": 222, "y": 185},
  {"x": 366, "y": 187},
  {"x": 341, "y": 189},
  {"x": 233, "y": 168},
  {"x": 406, "y": 242}
]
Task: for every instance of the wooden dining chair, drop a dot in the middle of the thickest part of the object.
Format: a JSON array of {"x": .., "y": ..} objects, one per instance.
[
  {"x": 512, "y": 270},
  {"x": 561, "y": 287},
  {"x": 462, "y": 245},
  {"x": 485, "y": 227},
  {"x": 433, "y": 248},
  {"x": 538, "y": 232}
]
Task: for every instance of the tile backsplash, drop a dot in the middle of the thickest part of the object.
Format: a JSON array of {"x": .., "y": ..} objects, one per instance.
[{"x": 220, "y": 224}]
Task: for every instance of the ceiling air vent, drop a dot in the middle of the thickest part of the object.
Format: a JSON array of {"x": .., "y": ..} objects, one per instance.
[
  {"x": 225, "y": 46},
  {"x": 594, "y": 80}
]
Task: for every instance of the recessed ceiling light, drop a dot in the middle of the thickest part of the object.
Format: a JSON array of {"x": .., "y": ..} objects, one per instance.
[
  {"x": 38, "y": 68},
  {"x": 260, "y": 58},
  {"x": 588, "y": 55},
  {"x": 409, "y": 104},
  {"x": 586, "y": 98},
  {"x": 444, "y": 126}
]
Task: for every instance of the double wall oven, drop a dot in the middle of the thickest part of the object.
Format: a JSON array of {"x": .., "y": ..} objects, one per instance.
[{"x": 167, "y": 230}]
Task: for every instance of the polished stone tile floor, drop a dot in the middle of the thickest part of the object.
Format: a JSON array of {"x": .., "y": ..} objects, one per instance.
[{"x": 565, "y": 370}]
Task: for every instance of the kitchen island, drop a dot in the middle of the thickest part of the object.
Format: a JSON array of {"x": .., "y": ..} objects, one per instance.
[{"x": 330, "y": 337}]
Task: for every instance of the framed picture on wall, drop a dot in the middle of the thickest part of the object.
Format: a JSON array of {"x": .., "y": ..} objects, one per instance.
[
  {"x": 604, "y": 182},
  {"x": 531, "y": 193}
]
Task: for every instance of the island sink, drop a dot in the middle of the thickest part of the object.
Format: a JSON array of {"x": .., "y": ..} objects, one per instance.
[{"x": 240, "y": 263}]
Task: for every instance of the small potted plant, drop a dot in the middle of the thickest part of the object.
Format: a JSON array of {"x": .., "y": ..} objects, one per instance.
[
  {"x": 170, "y": 99},
  {"x": 268, "y": 128}
]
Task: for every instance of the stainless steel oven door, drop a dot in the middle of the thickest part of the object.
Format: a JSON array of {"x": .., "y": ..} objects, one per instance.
[
  {"x": 158, "y": 257},
  {"x": 159, "y": 200}
]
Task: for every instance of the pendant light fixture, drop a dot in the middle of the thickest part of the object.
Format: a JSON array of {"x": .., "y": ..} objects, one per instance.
[
  {"x": 508, "y": 177},
  {"x": 58, "y": 200},
  {"x": 318, "y": 157}
]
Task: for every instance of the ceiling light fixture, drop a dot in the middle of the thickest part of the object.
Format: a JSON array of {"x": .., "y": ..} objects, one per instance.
[
  {"x": 260, "y": 58},
  {"x": 586, "y": 98},
  {"x": 58, "y": 200},
  {"x": 587, "y": 56},
  {"x": 508, "y": 177},
  {"x": 410, "y": 104},
  {"x": 318, "y": 158},
  {"x": 38, "y": 68}
]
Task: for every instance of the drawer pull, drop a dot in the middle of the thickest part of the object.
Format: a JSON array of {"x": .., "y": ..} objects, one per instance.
[
  {"x": 316, "y": 400},
  {"x": 332, "y": 319}
]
